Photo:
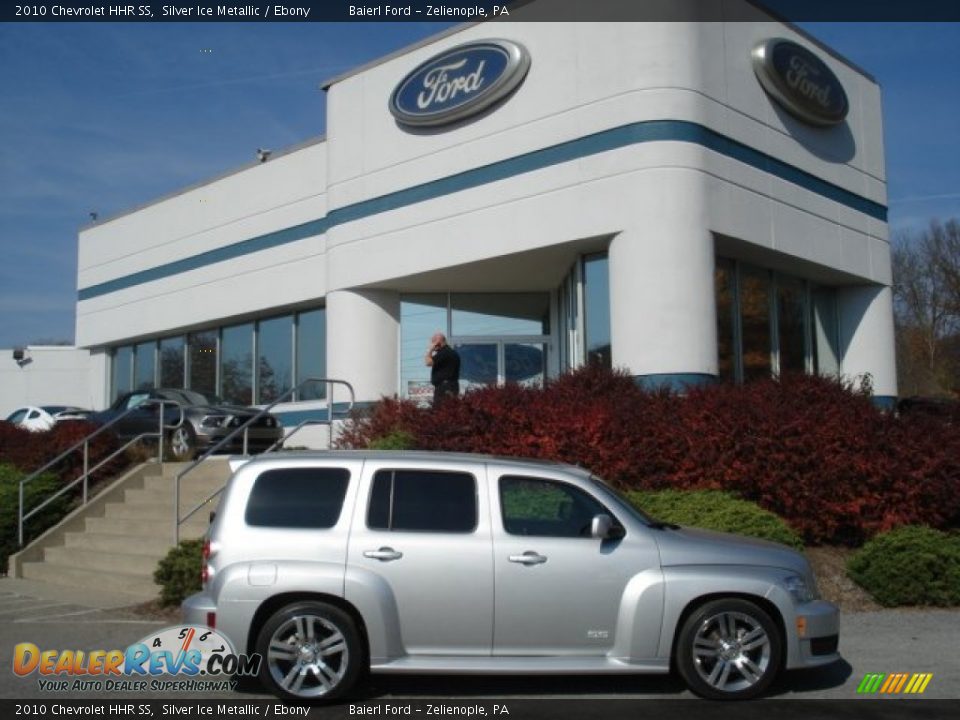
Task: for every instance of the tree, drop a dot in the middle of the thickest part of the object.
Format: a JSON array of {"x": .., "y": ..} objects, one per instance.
[{"x": 926, "y": 274}]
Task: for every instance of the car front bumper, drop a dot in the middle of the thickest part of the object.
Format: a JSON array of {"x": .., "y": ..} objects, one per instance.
[
  {"x": 817, "y": 628},
  {"x": 258, "y": 439}
]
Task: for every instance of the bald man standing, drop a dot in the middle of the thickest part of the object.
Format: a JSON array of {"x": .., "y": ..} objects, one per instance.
[{"x": 444, "y": 364}]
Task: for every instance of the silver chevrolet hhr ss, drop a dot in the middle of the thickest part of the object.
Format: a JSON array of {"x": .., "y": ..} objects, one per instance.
[{"x": 331, "y": 563}]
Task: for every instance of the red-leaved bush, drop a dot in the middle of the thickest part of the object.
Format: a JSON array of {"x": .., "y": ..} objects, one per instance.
[
  {"x": 28, "y": 451},
  {"x": 812, "y": 450}
]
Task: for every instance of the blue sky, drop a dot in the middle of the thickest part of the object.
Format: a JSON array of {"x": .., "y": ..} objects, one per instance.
[{"x": 103, "y": 117}]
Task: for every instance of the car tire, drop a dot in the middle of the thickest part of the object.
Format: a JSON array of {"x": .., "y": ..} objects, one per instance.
[
  {"x": 183, "y": 442},
  {"x": 729, "y": 649},
  {"x": 310, "y": 651}
]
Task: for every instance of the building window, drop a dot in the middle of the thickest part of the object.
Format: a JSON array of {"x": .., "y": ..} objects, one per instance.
[
  {"x": 274, "y": 358},
  {"x": 596, "y": 309},
  {"x": 826, "y": 351},
  {"x": 496, "y": 314},
  {"x": 727, "y": 356},
  {"x": 584, "y": 313},
  {"x": 236, "y": 364},
  {"x": 203, "y": 362},
  {"x": 311, "y": 338},
  {"x": 755, "y": 322},
  {"x": 791, "y": 325},
  {"x": 171, "y": 362},
  {"x": 501, "y": 337},
  {"x": 145, "y": 366},
  {"x": 122, "y": 375},
  {"x": 771, "y": 323}
]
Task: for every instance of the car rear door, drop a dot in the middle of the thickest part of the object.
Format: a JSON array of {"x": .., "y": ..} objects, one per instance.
[{"x": 423, "y": 531}]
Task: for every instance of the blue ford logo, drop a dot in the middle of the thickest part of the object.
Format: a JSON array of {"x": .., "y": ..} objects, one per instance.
[
  {"x": 459, "y": 83},
  {"x": 800, "y": 81}
]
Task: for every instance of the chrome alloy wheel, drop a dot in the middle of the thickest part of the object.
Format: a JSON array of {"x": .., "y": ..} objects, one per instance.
[
  {"x": 731, "y": 651},
  {"x": 307, "y": 656},
  {"x": 181, "y": 442}
]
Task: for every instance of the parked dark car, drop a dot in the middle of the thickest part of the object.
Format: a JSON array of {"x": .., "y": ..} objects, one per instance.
[{"x": 206, "y": 421}]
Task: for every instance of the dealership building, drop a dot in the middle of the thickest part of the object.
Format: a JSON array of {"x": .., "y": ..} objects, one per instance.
[{"x": 689, "y": 201}]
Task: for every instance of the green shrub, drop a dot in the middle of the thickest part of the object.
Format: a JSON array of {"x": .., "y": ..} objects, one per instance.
[
  {"x": 394, "y": 440},
  {"x": 178, "y": 573},
  {"x": 34, "y": 493},
  {"x": 913, "y": 565},
  {"x": 715, "y": 510}
]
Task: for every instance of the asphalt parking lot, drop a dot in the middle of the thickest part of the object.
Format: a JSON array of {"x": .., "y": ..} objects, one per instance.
[{"x": 890, "y": 641}]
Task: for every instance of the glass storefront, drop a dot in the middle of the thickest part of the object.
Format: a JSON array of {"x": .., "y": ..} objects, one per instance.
[
  {"x": 171, "y": 362},
  {"x": 771, "y": 323},
  {"x": 145, "y": 366},
  {"x": 583, "y": 301},
  {"x": 311, "y": 357},
  {"x": 274, "y": 358},
  {"x": 501, "y": 337},
  {"x": 122, "y": 376},
  {"x": 726, "y": 319},
  {"x": 220, "y": 361},
  {"x": 596, "y": 309},
  {"x": 202, "y": 375},
  {"x": 236, "y": 364}
]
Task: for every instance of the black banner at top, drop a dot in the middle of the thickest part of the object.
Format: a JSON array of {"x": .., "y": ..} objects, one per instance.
[{"x": 479, "y": 10}]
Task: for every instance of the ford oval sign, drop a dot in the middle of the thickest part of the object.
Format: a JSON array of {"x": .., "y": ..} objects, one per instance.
[
  {"x": 800, "y": 81},
  {"x": 459, "y": 83}
]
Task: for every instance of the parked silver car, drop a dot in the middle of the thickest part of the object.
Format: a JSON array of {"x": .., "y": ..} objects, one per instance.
[{"x": 330, "y": 563}]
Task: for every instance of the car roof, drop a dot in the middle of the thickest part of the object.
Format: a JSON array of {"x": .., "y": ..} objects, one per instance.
[{"x": 415, "y": 456}]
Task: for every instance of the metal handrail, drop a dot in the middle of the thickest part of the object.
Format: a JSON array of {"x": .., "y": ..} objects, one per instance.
[
  {"x": 87, "y": 470},
  {"x": 177, "y": 519}
]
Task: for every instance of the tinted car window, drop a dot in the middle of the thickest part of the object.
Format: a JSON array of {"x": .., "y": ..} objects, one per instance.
[
  {"x": 297, "y": 497},
  {"x": 424, "y": 501},
  {"x": 545, "y": 508}
]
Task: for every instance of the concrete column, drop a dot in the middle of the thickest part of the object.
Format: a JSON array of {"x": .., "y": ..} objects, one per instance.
[
  {"x": 363, "y": 328},
  {"x": 662, "y": 306},
  {"x": 866, "y": 338}
]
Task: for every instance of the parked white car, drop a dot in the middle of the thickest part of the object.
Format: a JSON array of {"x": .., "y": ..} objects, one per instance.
[{"x": 45, "y": 416}]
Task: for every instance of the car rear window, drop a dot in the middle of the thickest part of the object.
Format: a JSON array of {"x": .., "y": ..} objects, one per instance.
[
  {"x": 423, "y": 501},
  {"x": 297, "y": 497}
]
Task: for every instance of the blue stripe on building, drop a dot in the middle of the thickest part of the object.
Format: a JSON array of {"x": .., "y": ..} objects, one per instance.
[{"x": 604, "y": 141}]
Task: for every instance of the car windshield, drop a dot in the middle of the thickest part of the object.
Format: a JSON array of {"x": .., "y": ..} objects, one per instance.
[
  {"x": 622, "y": 501},
  {"x": 54, "y": 409}
]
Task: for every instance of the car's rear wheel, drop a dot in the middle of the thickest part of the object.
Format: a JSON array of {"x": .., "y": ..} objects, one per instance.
[
  {"x": 311, "y": 651},
  {"x": 729, "y": 649},
  {"x": 183, "y": 442}
]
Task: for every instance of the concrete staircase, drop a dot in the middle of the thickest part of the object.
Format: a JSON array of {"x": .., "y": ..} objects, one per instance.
[{"x": 113, "y": 544}]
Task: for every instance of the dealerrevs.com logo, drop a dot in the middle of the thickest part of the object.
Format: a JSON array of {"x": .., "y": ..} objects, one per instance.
[{"x": 192, "y": 652}]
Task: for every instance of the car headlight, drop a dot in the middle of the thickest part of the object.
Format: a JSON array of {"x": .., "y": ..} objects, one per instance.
[
  {"x": 214, "y": 421},
  {"x": 800, "y": 589}
]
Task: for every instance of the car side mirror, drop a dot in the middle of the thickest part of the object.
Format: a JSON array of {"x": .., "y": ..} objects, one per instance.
[{"x": 603, "y": 527}]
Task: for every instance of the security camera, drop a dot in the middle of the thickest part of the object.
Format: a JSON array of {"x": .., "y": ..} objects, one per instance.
[{"x": 263, "y": 154}]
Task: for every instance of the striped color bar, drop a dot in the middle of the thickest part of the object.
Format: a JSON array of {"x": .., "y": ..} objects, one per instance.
[{"x": 894, "y": 683}]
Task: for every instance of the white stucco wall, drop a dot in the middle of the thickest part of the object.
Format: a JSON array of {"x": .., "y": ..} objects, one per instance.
[
  {"x": 49, "y": 376},
  {"x": 659, "y": 204}
]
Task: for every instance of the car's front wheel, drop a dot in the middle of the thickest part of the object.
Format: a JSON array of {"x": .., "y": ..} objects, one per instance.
[
  {"x": 729, "y": 649},
  {"x": 311, "y": 651}
]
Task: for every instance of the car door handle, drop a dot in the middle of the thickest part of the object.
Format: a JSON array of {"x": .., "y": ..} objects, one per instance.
[
  {"x": 529, "y": 558},
  {"x": 384, "y": 554}
]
